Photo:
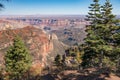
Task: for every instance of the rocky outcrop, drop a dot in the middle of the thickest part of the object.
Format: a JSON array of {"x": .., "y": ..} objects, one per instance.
[
  {"x": 42, "y": 47},
  {"x": 35, "y": 39},
  {"x": 7, "y": 24}
]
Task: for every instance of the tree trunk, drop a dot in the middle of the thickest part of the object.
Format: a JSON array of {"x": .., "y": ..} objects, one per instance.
[{"x": 100, "y": 60}]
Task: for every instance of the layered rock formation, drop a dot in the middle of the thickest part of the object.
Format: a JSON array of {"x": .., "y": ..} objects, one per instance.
[
  {"x": 7, "y": 24},
  {"x": 43, "y": 47},
  {"x": 55, "y": 22},
  {"x": 35, "y": 39}
]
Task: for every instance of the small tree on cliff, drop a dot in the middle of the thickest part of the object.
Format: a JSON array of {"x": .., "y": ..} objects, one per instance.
[
  {"x": 58, "y": 60},
  {"x": 17, "y": 60}
]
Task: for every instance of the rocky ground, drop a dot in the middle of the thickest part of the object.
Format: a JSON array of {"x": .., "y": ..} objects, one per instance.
[{"x": 75, "y": 75}]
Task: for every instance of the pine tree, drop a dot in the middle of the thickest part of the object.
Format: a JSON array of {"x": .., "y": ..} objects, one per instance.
[
  {"x": 17, "y": 60},
  {"x": 58, "y": 60},
  {"x": 117, "y": 50},
  {"x": 110, "y": 28},
  {"x": 101, "y": 41},
  {"x": 93, "y": 40}
]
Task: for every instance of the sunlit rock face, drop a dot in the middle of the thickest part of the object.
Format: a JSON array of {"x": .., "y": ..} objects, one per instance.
[
  {"x": 37, "y": 42},
  {"x": 7, "y": 24},
  {"x": 43, "y": 47}
]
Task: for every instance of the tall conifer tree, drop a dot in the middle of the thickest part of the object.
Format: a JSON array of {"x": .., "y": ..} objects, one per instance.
[
  {"x": 93, "y": 40},
  {"x": 110, "y": 29},
  {"x": 102, "y": 38}
]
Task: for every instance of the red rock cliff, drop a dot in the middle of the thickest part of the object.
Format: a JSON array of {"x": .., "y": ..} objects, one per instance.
[{"x": 35, "y": 39}]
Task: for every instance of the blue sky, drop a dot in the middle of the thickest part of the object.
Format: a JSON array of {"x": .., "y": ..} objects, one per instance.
[{"x": 51, "y": 7}]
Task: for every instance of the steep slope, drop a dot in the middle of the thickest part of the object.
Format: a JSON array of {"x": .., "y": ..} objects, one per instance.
[
  {"x": 71, "y": 36},
  {"x": 41, "y": 45},
  {"x": 58, "y": 47},
  {"x": 35, "y": 39}
]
